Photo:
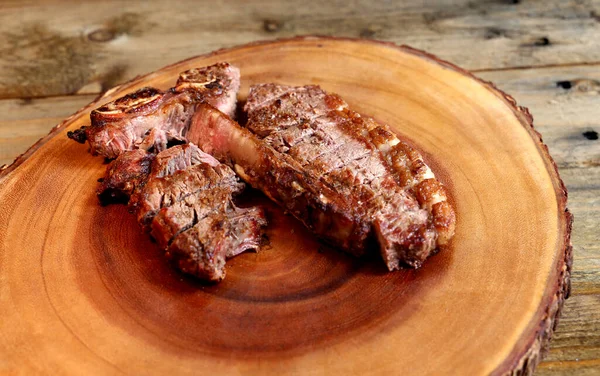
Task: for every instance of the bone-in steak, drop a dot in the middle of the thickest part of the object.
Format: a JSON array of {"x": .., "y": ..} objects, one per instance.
[
  {"x": 150, "y": 118},
  {"x": 348, "y": 178}
]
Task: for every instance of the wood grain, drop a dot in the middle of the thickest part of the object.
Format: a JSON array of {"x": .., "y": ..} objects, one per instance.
[
  {"x": 24, "y": 121},
  {"x": 92, "y": 46},
  {"x": 116, "y": 306}
]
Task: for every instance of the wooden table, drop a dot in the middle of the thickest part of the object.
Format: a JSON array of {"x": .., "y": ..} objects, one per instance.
[{"x": 57, "y": 56}]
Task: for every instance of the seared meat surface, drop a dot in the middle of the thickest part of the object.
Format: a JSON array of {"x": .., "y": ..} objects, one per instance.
[
  {"x": 131, "y": 169},
  {"x": 346, "y": 177},
  {"x": 187, "y": 205},
  {"x": 150, "y": 118},
  {"x": 184, "y": 198},
  {"x": 123, "y": 175},
  {"x": 203, "y": 249}
]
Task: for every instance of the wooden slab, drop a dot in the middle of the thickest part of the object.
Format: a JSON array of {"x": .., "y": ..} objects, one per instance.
[{"x": 82, "y": 291}]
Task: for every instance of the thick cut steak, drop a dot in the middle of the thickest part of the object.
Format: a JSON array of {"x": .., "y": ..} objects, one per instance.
[
  {"x": 150, "y": 118},
  {"x": 347, "y": 177},
  {"x": 181, "y": 195},
  {"x": 160, "y": 192}
]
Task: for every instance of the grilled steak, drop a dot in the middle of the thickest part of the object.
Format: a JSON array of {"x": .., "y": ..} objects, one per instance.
[
  {"x": 132, "y": 168},
  {"x": 162, "y": 192},
  {"x": 181, "y": 195},
  {"x": 202, "y": 249},
  {"x": 184, "y": 197},
  {"x": 348, "y": 178},
  {"x": 187, "y": 205},
  {"x": 150, "y": 119},
  {"x": 123, "y": 175}
]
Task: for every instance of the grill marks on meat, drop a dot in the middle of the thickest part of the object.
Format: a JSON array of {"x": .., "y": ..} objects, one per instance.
[
  {"x": 384, "y": 179},
  {"x": 348, "y": 178},
  {"x": 323, "y": 209},
  {"x": 190, "y": 213},
  {"x": 163, "y": 192},
  {"x": 149, "y": 119},
  {"x": 130, "y": 171}
]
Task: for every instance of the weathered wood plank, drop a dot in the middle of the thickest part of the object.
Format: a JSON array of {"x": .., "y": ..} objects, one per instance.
[
  {"x": 564, "y": 103},
  {"x": 94, "y": 45},
  {"x": 24, "y": 121},
  {"x": 575, "y": 347},
  {"x": 583, "y": 184}
]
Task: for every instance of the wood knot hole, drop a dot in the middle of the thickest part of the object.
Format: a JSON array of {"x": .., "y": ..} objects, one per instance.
[{"x": 564, "y": 84}]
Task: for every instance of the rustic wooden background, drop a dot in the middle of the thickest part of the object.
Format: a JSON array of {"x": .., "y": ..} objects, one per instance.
[{"x": 57, "y": 56}]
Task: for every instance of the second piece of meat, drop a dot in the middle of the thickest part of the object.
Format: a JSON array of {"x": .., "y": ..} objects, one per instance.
[{"x": 185, "y": 201}]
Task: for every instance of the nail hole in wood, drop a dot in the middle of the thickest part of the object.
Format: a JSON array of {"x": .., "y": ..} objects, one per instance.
[
  {"x": 544, "y": 41},
  {"x": 564, "y": 84},
  {"x": 366, "y": 33},
  {"x": 590, "y": 135},
  {"x": 25, "y": 101},
  {"x": 493, "y": 32},
  {"x": 370, "y": 31},
  {"x": 271, "y": 26}
]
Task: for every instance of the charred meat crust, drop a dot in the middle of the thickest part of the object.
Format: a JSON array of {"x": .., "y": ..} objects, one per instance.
[
  {"x": 78, "y": 135},
  {"x": 202, "y": 249}
]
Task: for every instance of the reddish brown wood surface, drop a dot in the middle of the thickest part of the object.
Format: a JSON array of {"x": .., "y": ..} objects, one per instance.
[{"x": 84, "y": 292}]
